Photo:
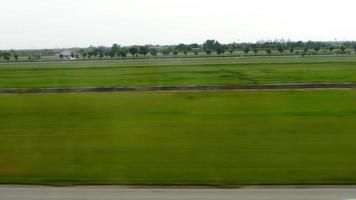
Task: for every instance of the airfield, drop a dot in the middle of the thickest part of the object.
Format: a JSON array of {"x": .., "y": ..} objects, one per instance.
[{"x": 206, "y": 137}]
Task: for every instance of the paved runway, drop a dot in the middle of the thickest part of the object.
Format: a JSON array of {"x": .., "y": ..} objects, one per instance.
[{"x": 111, "y": 193}]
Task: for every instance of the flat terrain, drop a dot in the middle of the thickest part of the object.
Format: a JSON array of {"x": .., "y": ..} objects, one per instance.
[
  {"x": 197, "y": 88},
  {"x": 179, "y": 138},
  {"x": 173, "y": 72},
  {"x": 89, "y": 193}
]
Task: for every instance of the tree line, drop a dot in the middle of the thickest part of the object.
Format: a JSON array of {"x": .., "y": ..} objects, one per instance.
[
  {"x": 214, "y": 46},
  {"x": 208, "y": 47}
]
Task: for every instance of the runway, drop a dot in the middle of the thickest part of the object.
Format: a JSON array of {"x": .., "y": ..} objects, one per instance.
[{"x": 122, "y": 193}]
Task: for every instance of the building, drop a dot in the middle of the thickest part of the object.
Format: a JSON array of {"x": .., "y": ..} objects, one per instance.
[{"x": 66, "y": 55}]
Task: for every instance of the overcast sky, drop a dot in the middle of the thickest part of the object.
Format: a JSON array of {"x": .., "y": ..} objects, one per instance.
[{"x": 81, "y": 23}]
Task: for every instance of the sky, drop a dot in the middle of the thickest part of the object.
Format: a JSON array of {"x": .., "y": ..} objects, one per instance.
[{"x": 33, "y": 24}]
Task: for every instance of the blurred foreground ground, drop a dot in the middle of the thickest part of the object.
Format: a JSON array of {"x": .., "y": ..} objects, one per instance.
[{"x": 110, "y": 193}]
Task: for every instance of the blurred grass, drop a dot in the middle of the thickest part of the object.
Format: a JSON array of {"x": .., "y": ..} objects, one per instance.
[
  {"x": 179, "y": 138},
  {"x": 178, "y": 72}
]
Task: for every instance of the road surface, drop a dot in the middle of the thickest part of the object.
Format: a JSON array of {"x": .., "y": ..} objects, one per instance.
[
  {"x": 184, "y": 88},
  {"x": 119, "y": 193}
]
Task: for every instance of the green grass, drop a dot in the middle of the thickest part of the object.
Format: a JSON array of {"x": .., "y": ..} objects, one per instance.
[
  {"x": 179, "y": 72},
  {"x": 269, "y": 137}
]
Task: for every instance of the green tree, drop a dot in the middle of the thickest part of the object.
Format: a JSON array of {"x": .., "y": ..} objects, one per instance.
[
  {"x": 6, "y": 55},
  {"x": 343, "y": 49},
  {"x": 331, "y": 48},
  {"x": 246, "y": 50},
  {"x": 101, "y": 51},
  {"x": 269, "y": 52},
  {"x": 122, "y": 53},
  {"x": 93, "y": 51},
  {"x": 305, "y": 51},
  {"x": 166, "y": 52},
  {"x": 143, "y": 50},
  {"x": 187, "y": 49},
  {"x": 101, "y": 55},
  {"x": 280, "y": 49},
  {"x": 153, "y": 52},
  {"x": 317, "y": 49},
  {"x": 133, "y": 51},
  {"x": 83, "y": 53},
  {"x": 220, "y": 49},
  {"x": 115, "y": 48},
  {"x": 181, "y": 47},
  {"x": 209, "y": 45},
  {"x": 112, "y": 53}
]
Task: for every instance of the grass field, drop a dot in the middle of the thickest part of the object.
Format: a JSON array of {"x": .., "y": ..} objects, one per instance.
[
  {"x": 179, "y": 72},
  {"x": 255, "y": 137}
]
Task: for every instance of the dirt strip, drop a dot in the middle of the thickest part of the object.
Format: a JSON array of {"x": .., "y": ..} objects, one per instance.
[{"x": 182, "y": 88}]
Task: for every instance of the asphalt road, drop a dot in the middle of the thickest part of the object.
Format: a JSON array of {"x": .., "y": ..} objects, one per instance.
[{"x": 111, "y": 193}]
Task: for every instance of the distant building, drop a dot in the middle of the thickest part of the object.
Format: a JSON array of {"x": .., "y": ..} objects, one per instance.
[
  {"x": 66, "y": 55},
  {"x": 197, "y": 49}
]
